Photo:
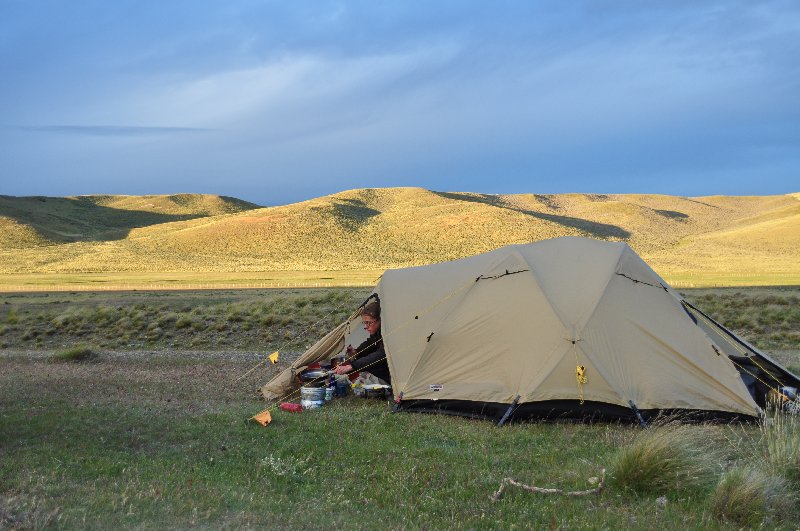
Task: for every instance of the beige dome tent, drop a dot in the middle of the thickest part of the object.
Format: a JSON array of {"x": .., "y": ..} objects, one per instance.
[{"x": 562, "y": 327}]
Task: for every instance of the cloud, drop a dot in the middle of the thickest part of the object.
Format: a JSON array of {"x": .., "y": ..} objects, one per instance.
[
  {"x": 113, "y": 130},
  {"x": 286, "y": 96}
]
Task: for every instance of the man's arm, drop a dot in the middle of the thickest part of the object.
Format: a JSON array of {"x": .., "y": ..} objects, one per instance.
[{"x": 365, "y": 362}]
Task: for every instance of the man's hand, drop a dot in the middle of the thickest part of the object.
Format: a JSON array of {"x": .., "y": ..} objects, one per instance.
[{"x": 343, "y": 369}]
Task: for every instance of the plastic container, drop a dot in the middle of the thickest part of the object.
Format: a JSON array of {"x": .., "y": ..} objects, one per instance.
[
  {"x": 291, "y": 407},
  {"x": 312, "y": 397}
]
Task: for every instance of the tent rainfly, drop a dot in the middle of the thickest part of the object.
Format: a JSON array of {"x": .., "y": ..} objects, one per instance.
[{"x": 568, "y": 327}]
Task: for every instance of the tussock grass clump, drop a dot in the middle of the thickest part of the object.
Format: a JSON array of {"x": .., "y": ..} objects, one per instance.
[
  {"x": 780, "y": 441},
  {"x": 76, "y": 353},
  {"x": 668, "y": 456},
  {"x": 746, "y": 496}
]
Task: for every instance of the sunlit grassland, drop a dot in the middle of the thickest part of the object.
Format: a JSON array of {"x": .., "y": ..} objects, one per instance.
[
  {"x": 700, "y": 279},
  {"x": 709, "y": 241}
]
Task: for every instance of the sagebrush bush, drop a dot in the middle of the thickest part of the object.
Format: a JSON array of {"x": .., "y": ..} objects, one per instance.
[
  {"x": 745, "y": 496},
  {"x": 668, "y": 456},
  {"x": 76, "y": 353}
]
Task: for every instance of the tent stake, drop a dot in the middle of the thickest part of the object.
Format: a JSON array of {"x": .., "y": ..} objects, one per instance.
[
  {"x": 397, "y": 402},
  {"x": 508, "y": 411},
  {"x": 635, "y": 409}
]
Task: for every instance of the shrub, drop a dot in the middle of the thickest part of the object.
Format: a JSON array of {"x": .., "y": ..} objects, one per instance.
[
  {"x": 76, "y": 353},
  {"x": 183, "y": 322},
  {"x": 746, "y": 496},
  {"x": 668, "y": 456},
  {"x": 166, "y": 319}
]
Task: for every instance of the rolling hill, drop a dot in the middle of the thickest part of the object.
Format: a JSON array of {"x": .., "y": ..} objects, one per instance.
[{"x": 391, "y": 227}]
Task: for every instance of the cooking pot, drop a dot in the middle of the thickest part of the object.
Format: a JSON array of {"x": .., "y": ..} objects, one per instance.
[{"x": 312, "y": 397}]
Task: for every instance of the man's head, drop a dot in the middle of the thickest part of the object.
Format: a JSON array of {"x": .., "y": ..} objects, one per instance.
[{"x": 371, "y": 317}]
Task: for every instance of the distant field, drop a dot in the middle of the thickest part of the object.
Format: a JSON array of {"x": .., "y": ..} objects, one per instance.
[
  {"x": 306, "y": 279},
  {"x": 184, "y": 281}
]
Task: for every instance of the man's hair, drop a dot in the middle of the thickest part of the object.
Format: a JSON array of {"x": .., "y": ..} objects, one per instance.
[{"x": 373, "y": 309}]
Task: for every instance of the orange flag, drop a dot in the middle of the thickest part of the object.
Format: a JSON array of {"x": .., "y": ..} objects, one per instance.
[{"x": 263, "y": 418}]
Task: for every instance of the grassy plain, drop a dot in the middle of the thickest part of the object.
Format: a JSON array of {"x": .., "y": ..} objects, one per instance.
[
  {"x": 127, "y": 281},
  {"x": 150, "y": 430}
]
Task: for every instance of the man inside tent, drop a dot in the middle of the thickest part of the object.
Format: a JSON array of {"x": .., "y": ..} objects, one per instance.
[{"x": 369, "y": 356}]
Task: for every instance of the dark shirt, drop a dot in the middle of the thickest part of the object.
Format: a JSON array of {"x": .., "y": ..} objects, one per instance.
[{"x": 372, "y": 358}]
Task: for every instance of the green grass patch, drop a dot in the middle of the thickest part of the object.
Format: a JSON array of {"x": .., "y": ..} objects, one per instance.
[
  {"x": 76, "y": 353},
  {"x": 140, "y": 442}
]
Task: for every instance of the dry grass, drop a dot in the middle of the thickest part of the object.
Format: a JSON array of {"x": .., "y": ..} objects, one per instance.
[
  {"x": 780, "y": 443},
  {"x": 377, "y": 229},
  {"x": 747, "y": 496},
  {"x": 667, "y": 457}
]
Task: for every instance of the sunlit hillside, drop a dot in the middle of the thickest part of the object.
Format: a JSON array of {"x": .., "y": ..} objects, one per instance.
[
  {"x": 394, "y": 227},
  {"x": 38, "y": 220}
]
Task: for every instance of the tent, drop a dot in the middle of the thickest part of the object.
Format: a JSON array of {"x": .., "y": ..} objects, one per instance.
[{"x": 568, "y": 327}]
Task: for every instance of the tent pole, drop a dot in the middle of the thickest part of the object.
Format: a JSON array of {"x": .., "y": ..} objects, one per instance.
[
  {"x": 508, "y": 411},
  {"x": 638, "y": 413}
]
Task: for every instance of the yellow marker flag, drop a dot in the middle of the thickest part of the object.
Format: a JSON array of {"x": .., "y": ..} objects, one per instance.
[
  {"x": 263, "y": 418},
  {"x": 274, "y": 357},
  {"x": 580, "y": 374}
]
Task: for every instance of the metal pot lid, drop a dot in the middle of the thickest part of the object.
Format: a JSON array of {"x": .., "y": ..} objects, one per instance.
[{"x": 313, "y": 374}]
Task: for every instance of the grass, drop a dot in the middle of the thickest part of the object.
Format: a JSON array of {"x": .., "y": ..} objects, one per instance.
[
  {"x": 156, "y": 435},
  {"x": 181, "y": 455},
  {"x": 146, "y": 441}
]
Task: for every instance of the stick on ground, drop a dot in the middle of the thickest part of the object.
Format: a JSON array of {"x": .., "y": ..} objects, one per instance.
[{"x": 509, "y": 481}]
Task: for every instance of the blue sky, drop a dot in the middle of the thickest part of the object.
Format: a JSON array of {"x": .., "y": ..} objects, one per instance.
[{"x": 276, "y": 102}]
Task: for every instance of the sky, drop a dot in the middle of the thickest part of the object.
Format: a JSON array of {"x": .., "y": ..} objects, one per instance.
[{"x": 280, "y": 101}]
